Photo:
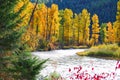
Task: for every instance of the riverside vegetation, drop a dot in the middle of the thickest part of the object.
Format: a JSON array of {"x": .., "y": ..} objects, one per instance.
[
  {"x": 110, "y": 51},
  {"x": 51, "y": 28},
  {"x": 27, "y": 26}
]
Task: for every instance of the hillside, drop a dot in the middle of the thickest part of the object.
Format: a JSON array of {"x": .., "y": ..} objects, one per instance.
[{"x": 105, "y": 9}]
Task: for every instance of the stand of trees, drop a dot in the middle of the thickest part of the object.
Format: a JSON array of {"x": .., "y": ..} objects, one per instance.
[
  {"x": 65, "y": 28},
  {"x": 102, "y": 8},
  {"x": 51, "y": 27}
]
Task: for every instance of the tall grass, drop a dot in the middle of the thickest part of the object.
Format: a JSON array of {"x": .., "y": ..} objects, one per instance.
[{"x": 109, "y": 50}]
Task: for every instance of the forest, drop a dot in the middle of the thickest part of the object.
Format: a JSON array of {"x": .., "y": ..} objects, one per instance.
[
  {"x": 54, "y": 28},
  {"x": 27, "y": 26},
  {"x": 102, "y": 8}
]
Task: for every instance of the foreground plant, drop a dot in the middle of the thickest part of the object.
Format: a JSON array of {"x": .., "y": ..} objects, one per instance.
[
  {"x": 11, "y": 31},
  {"x": 54, "y": 76},
  {"x": 25, "y": 67}
]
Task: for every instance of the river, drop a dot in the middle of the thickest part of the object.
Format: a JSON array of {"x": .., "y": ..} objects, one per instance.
[{"x": 62, "y": 60}]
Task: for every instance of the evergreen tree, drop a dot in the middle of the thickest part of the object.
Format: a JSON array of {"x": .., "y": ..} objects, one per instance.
[
  {"x": 61, "y": 29},
  {"x": 10, "y": 33},
  {"x": 103, "y": 32},
  {"x": 26, "y": 66},
  {"x": 21, "y": 66}
]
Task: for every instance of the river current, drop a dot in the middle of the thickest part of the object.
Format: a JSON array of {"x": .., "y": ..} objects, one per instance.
[{"x": 63, "y": 60}]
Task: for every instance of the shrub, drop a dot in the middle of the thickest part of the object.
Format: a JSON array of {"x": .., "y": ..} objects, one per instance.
[{"x": 25, "y": 67}]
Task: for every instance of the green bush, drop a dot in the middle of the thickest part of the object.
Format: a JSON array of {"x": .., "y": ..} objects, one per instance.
[{"x": 25, "y": 67}]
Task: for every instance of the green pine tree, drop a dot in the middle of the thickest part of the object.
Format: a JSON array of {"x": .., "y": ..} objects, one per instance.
[
  {"x": 26, "y": 66},
  {"x": 103, "y": 32},
  {"x": 19, "y": 66},
  {"x": 9, "y": 36}
]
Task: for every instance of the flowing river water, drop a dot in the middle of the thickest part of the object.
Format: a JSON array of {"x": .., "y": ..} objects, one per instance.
[{"x": 61, "y": 60}]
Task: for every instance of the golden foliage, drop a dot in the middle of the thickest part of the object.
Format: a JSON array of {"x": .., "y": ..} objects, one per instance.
[
  {"x": 117, "y": 23},
  {"x": 95, "y": 29},
  {"x": 68, "y": 14},
  {"x": 85, "y": 23},
  {"x": 45, "y": 25},
  {"x": 110, "y": 33}
]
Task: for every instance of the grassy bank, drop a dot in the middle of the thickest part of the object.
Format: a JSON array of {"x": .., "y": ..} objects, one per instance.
[
  {"x": 75, "y": 47},
  {"x": 111, "y": 51}
]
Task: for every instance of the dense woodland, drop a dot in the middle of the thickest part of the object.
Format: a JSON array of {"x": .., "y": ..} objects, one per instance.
[
  {"x": 51, "y": 27},
  {"x": 102, "y": 8}
]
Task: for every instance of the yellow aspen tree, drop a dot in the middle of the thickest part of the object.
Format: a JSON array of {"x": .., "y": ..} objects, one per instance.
[
  {"x": 110, "y": 33},
  {"x": 46, "y": 22},
  {"x": 42, "y": 13},
  {"x": 75, "y": 29},
  {"x": 54, "y": 23},
  {"x": 95, "y": 29},
  {"x": 43, "y": 21},
  {"x": 79, "y": 28},
  {"x": 48, "y": 25},
  {"x": 30, "y": 37},
  {"x": 117, "y": 24},
  {"x": 84, "y": 24},
  {"x": 49, "y": 22},
  {"x": 68, "y": 14}
]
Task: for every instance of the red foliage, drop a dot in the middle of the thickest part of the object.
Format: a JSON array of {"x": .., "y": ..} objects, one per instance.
[
  {"x": 77, "y": 73},
  {"x": 117, "y": 65}
]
